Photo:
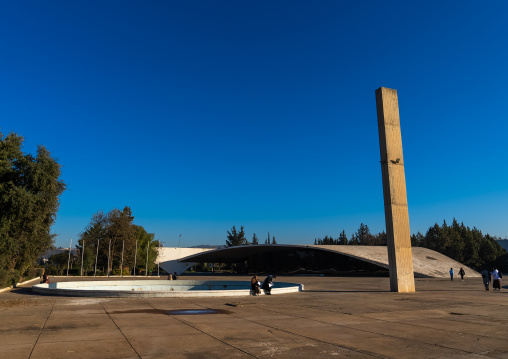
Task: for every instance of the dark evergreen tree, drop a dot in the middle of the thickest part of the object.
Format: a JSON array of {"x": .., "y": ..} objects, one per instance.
[
  {"x": 273, "y": 240},
  {"x": 417, "y": 239},
  {"x": 363, "y": 235},
  {"x": 255, "y": 239},
  {"x": 353, "y": 240},
  {"x": 343, "y": 238},
  {"x": 236, "y": 238}
]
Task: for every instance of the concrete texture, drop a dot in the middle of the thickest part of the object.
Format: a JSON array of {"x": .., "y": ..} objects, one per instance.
[
  {"x": 394, "y": 192},
  {"x": 426, "y": 262},
  {"x": 168, "y": 258},
  {"x": 334, "y": 317},
  {"x": 156, "y": 288}
]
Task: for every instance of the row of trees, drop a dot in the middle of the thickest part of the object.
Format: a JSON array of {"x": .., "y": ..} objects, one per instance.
[
  {"x": 237, "y": 238},
  {"x": 116, "y": 242},
  {"x": 30, "y": 189},
  {"x": 457, "y": 241}
]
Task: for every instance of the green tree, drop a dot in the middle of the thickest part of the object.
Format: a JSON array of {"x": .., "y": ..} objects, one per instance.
[
  {"x": 363, "y": 235},
  {"x": 343, "y": 238},
  {"x": 255, "y": 239},
  {"x": 145, "y": 241},
  {"x": 115, "y": 233},
  {"x": 273, "y": 240},
  {"x": 94, "y": 235},
  {"x": 30, "y": 188},
  {"x": 121, "y": 232},
  {"x": 417, "y": 239},
  {"x": 236, "y": 238}
]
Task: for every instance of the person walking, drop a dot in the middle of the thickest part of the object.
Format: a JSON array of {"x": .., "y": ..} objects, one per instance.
[
  {"x": 462, "y": 273},
  {"x": 451, "y": 274},
  {"x": 496, "y": 284},
  {"x": 485, "y": 278}
]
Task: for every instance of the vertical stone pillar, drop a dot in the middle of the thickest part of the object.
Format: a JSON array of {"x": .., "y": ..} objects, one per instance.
[{"x": 400, "y": 256}]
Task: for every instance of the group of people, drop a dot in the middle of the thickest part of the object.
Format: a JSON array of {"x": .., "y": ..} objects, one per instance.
[
  {"x": 256, "y": 285},
  {"x": 172, "y": 276},
  {"x": 495, "y": 277},
  {"x": 461, "y": 273}
]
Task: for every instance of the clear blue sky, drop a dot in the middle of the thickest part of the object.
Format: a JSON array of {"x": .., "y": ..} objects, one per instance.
[{"x": 201, "y": 115}]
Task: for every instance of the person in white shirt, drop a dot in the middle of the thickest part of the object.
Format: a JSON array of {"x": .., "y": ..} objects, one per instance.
[{"x": 496, "y": 280}]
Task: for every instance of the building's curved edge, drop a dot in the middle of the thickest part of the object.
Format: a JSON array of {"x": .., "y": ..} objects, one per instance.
[{"x": 426, "y": 262}]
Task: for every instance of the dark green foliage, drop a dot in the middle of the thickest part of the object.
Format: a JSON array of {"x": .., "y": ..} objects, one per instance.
[
  {"x": 255, "y": 239},
  {"x": 461, "y": 243},
  {"x": 236, "y": 238},
  {"x": 363, "y": 235},
  {"x": 29, "y": 199},
  {"x": 116, "y": 232},
  {"x": 273, "y": 240},
  {"x": 342, "y": 238},
  {"x": 465, "y": 245}
]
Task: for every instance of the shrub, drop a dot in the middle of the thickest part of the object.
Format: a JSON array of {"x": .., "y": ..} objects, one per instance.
[{"x": 9, "y": 278}]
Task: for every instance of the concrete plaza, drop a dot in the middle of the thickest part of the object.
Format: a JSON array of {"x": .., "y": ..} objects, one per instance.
[{"x": 334, "y": 317}]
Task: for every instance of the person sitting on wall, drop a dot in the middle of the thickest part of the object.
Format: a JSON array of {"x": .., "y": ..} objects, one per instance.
[
  {"x": 45, "y": 279},
  {"x": 268, "y": 284},
  {"x": 254, "y": 286},
  {"x": 170, "y": 276},
  {"x": 175, "y": 276}
]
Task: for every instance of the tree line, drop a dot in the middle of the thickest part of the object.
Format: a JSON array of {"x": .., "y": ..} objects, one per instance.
[
  {"x": 237, "y": 238},
  {"x": 457, "y": 241}
]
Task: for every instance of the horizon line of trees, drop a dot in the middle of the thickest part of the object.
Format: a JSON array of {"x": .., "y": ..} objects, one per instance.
[
  {"x": 457, "y": 241},
  {"x": 237, "y": 238}
]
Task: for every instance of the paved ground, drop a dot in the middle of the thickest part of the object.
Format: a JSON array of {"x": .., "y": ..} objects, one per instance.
[{"x": 334, "y": 317}]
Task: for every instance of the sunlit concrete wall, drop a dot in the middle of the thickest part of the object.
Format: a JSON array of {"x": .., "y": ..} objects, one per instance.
[{"x": 168, "y": 258}]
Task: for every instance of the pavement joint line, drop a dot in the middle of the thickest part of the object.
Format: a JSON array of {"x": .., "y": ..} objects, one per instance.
[
  {"x": 382, "y": 334},
  {"x": 120, "y": 330},
  {"x": 303, "y": 336},
  {"x": 413, "y": 325},
  {"x": 434, "y": 328},
  {"x": 40, "y": 331},
  {"x": 199, "y": 330}
]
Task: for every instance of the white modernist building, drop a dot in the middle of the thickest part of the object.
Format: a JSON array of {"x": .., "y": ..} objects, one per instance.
[{"x": 168, "y": 258}]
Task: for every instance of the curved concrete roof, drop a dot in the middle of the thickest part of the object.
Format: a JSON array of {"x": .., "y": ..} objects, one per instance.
[{"x": 426, "y": 262}]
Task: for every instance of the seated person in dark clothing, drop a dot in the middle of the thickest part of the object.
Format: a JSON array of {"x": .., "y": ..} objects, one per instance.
[{"x": 268, "y": 283}]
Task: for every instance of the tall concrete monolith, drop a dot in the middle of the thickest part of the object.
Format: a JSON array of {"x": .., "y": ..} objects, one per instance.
[{"x": 400, "y": 256}]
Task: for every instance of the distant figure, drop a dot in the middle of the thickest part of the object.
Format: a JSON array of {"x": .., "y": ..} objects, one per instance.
[
  {"x": 462, "y": 273},
  {"x": 268, "y": 284},
  {"x": 174, "y": 276},
  {"x": 496, "y": 284},
  {"x": 485, "y": 278},
  {"x": 170, "y": 276},
  {"x": 45, "y": 279},
  {"x": 254, "y": 286},
  {"x": 451, "y": 274}
]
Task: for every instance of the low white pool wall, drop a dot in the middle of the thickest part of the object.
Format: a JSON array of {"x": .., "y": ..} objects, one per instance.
[{"x": 158, "y": 288}]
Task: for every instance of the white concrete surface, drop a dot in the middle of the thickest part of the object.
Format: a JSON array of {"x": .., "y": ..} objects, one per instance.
[
  {"x": 168, "y": 258},
  {"x": 158, "y": 288}
]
